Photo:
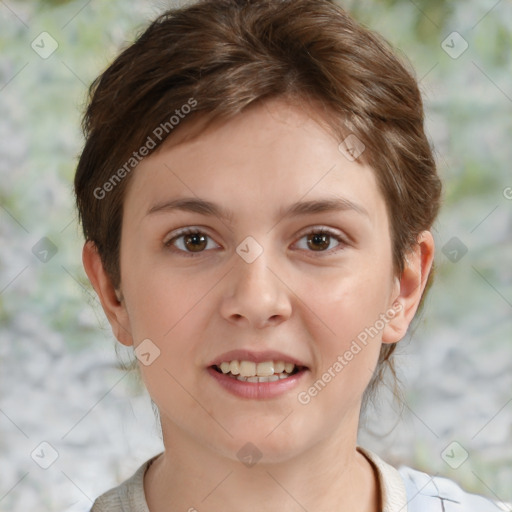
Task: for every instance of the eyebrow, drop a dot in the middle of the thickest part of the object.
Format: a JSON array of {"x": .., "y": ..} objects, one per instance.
[{"x": 203, "y": 207}]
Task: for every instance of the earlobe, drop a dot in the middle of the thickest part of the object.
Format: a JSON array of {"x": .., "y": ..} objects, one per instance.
[
  {"x": 110, "y": 298},
  {"x": 412, "y": 283}
]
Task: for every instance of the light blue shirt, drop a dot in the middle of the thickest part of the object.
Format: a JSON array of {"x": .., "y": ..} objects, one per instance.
[{"x": 431, "y": 494}]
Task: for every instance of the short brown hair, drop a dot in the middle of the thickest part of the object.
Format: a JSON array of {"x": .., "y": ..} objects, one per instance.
[{"x": 224, "y": 55}]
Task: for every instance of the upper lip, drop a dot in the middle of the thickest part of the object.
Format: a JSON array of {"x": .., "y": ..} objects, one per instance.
[{"x": 256, "y": 357}]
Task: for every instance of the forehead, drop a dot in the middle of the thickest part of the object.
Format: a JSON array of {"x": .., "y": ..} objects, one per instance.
[
  {"x": 291, "y": 111},
  {"x": 272, "y": 153}
]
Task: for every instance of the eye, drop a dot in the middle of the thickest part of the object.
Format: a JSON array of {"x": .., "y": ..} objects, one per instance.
[
  {"x": 189, "y": 241},
  {"x": 193, "y": 241},
  {"x": 320, "y": 239}
]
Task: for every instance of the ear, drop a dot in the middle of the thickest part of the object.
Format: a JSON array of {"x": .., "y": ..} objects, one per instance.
[
  {"x": 411, "y": 285},
  {"x": 111, "y": 299}
]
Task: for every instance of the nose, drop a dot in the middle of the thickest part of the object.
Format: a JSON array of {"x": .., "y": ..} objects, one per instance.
[{"x": 256, "y": 294}]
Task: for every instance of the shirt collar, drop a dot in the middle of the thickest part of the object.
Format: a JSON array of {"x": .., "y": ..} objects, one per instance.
[{"x": 392, "y": 487}]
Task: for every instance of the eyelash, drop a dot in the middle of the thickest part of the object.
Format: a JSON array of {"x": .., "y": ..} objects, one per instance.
[{"x": 195, "y": 231}]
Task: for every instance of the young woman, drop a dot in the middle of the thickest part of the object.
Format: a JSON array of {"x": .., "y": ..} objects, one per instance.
[{"x": 256, "y": 192}]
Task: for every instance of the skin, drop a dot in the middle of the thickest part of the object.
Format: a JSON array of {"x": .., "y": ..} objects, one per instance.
[{"x": 310, "y": 304}]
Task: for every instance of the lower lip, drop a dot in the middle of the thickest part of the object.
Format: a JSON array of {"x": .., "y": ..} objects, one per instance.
[{"x": 257, "y": 390}]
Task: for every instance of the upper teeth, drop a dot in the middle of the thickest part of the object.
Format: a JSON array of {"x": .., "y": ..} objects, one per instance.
[{"x": 252, "y": 369}]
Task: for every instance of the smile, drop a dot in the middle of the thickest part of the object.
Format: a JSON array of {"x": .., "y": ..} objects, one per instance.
[{"x": 250, "y": 371}]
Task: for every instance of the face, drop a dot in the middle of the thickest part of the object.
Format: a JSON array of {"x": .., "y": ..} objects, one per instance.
[{"x": 290, "y": 261}]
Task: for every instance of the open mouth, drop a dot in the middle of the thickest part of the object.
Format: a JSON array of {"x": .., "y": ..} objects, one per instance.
[{"x": 266, "y": 371}]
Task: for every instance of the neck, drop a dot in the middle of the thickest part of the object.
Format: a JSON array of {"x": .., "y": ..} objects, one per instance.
[{"x": 327, "y": 476}]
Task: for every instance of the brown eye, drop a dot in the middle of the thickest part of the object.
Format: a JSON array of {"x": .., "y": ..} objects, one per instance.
[
  {"x": 318, "y": 241},
  {"x": 195, "y": 242},
  {"x": 322, "y": 240},
  {"x": 190, "y": 241}
]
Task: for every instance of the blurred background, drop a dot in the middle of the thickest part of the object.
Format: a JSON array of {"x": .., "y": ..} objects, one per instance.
[{"x": 73, "y": 423}]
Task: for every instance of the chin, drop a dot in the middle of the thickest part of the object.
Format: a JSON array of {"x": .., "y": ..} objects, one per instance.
[{"x": 264, "y": 445}]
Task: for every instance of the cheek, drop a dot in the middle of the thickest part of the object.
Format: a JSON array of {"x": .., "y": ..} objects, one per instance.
[
  {"x": 161, "y": 299},
  {"x": 346, "y": 323},
  {"x": 348, "y": 301},
  {"x": 168, "y": 308}
]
